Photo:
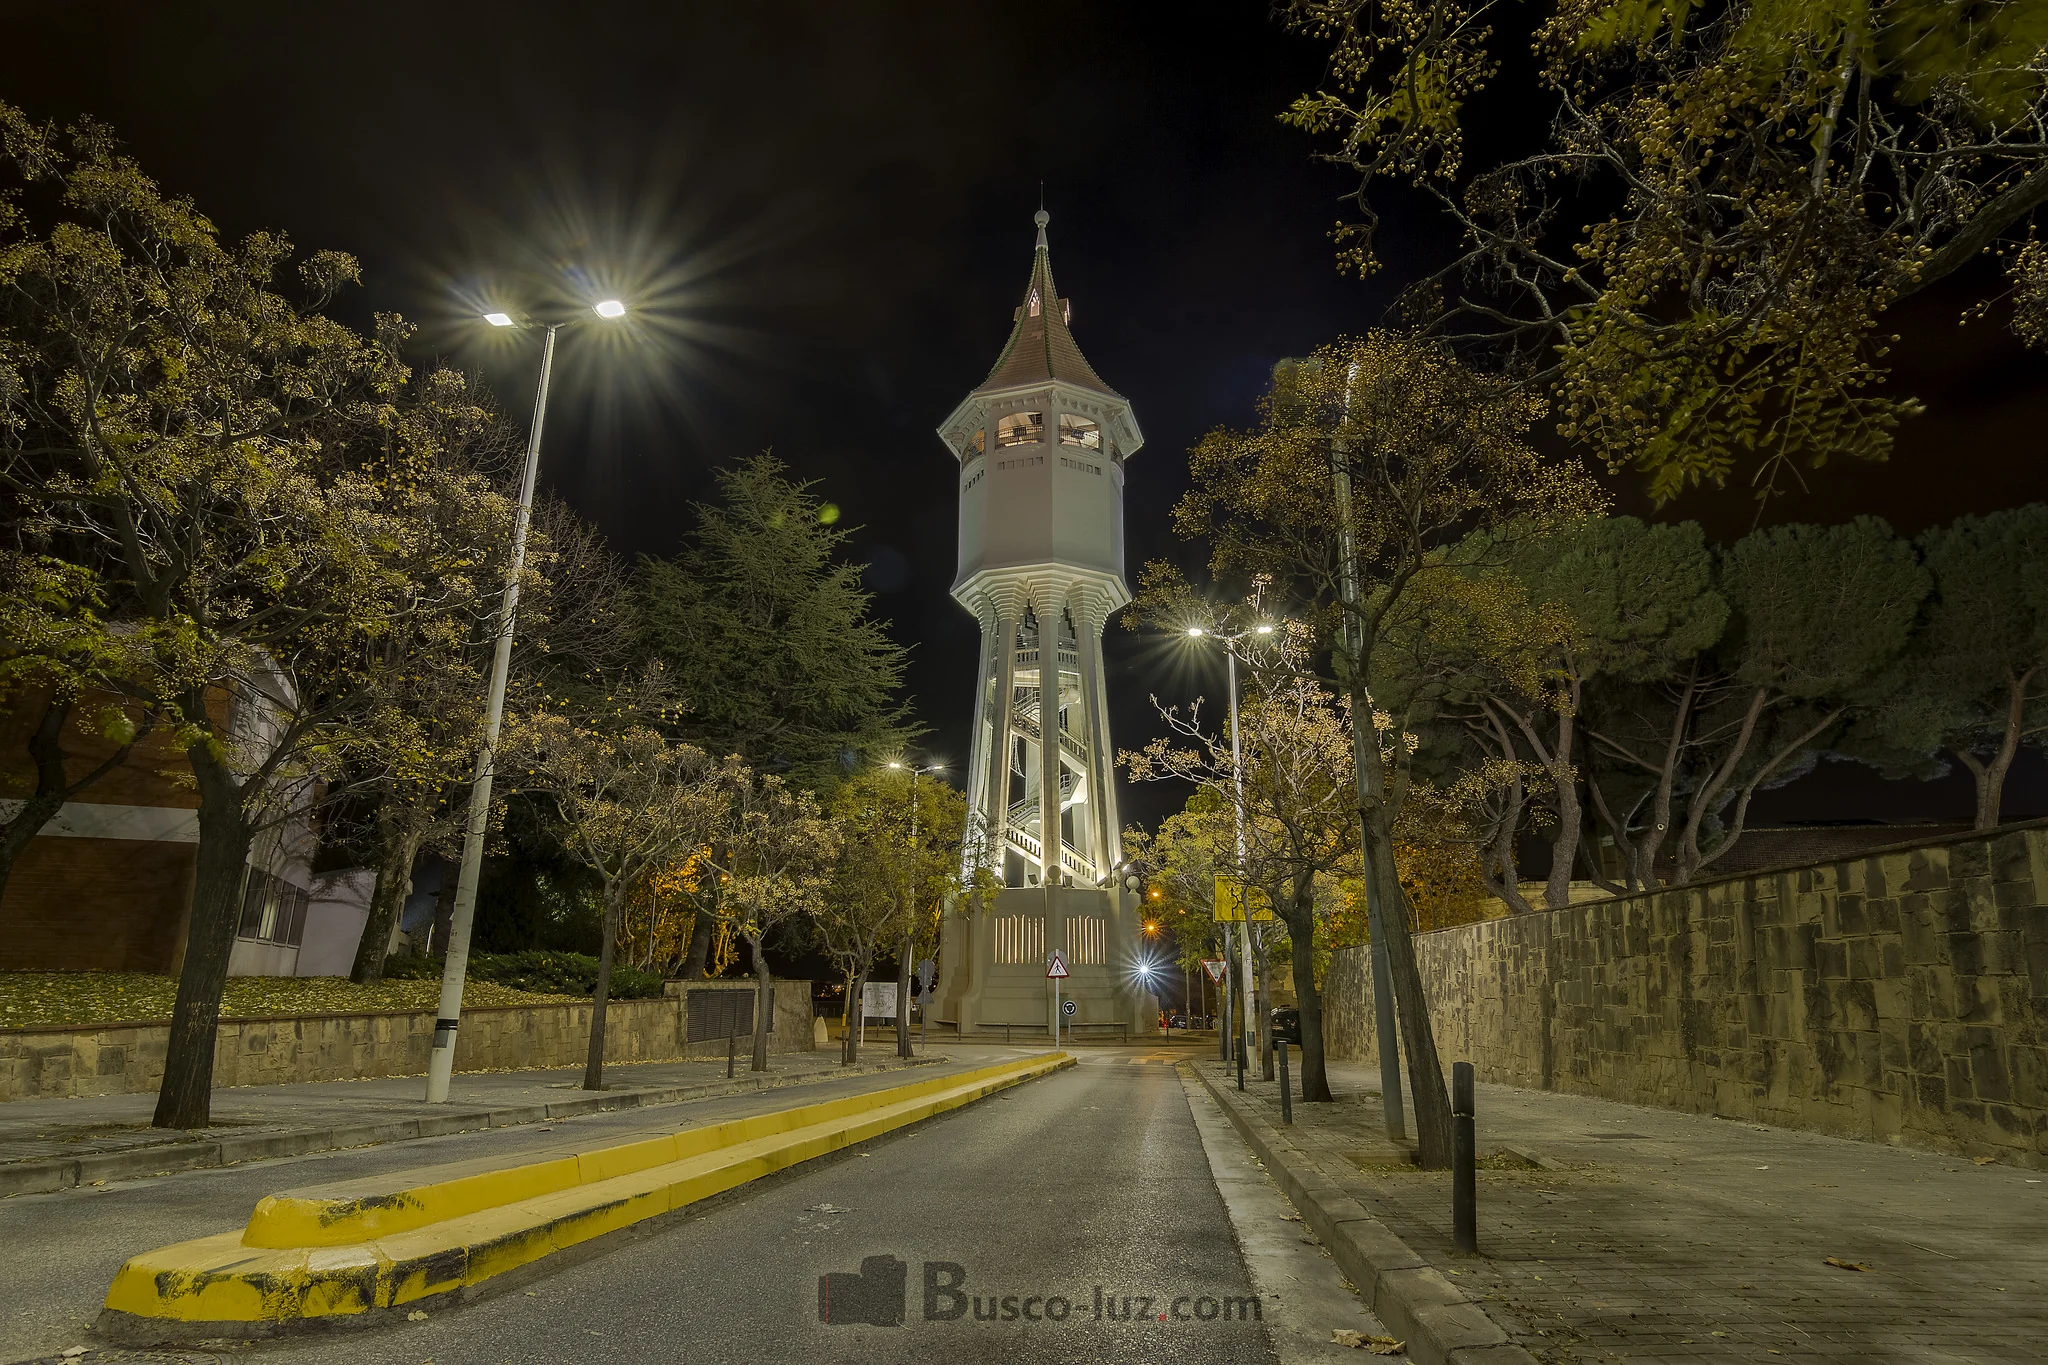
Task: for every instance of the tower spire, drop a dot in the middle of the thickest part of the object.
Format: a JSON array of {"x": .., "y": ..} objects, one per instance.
[{"x": 1041, "y": 345}]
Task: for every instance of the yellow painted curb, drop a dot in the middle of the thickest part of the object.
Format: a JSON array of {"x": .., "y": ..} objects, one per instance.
[{"x": 344, "y": 1252}]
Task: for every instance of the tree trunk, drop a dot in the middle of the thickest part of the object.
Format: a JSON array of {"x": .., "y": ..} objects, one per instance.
[
  {"x": 702, "y": 929},
  {"x": 444, "y": 918},
  {"x": 1262, "y": 968},
  {"x": 903, "y": 957},
  {"x": 1564, "y": 844},
  {"x": 1315, "y": 1078},
  {"x": 593, "y": 1065},
  {"x": 851, "y": 1026},
  {"x": 185, "y": 1099},
  {"x": 1990, "y": 773},
  {"x": 1431, "y": 1098},
  {"x": 399, "y": 848},
  {"x": 763, "y": 1006}
]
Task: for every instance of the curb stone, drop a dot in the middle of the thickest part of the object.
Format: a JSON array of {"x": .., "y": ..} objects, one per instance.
[
  {"x": 1415, "y": 1301},
  {"x": 52, "y": 1174}
]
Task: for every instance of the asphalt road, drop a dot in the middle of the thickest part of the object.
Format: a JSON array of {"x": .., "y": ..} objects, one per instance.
[{"x": 1073, "y": 1218}]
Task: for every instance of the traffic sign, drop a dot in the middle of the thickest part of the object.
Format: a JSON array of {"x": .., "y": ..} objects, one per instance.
[
  {"x": 1215, "y": 966},
  {"x": 1232, "y": 895},
  {"x": 1055, "y": 964},
  {"x": 926, "y": 970},
  {"x": 1067, "y": 1007}
]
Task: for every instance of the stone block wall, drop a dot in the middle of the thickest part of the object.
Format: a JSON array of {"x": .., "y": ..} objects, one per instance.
[
  {"x": 129, "y": 1058},
  {"x": 1901, "y": 996}
]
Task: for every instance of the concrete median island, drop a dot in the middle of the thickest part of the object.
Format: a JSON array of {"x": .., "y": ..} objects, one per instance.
[{"x": 363, "y": 1251}]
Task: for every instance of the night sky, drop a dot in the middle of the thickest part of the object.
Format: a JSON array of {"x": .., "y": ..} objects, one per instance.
[{"x": 821, "y": 216}]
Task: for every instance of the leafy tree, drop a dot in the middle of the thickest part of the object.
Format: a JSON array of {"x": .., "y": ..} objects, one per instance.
[
  {"x": 1697, "y": 250},
  {"x": 1300, "y": 808},
  {"x": 1369, "y": 461},
  {"x": 772, "y": 859},
  {"x": 431, "y": 680},
  {"x": 627, "y": 799},
  {"x": 210, "y": 453},
  {"x": 899, "y": 863},
  {"x": 1636, "y": 602},
  {"x": 768, "y": 634},
  {"x": 1982, "y": 655},
  {"x": 1818, "y": 611}
]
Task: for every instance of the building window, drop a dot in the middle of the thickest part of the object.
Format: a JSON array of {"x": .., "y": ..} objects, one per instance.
[
  {"x": 980, "y": 440},
  {"x": 1020, "y": 429},
  {"x": 1034, "y": 303},
  {"x": 273, "y": 910},
  {"x": 1079, "y": 431}
]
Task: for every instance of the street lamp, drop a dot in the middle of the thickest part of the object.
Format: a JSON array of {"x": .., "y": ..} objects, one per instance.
[
  {"x": 1248, "y": 1027},
  {"x": 441, "y": 1062},
  {"x": 909, "y": 946}
]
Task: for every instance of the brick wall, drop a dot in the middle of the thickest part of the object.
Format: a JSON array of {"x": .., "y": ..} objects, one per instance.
[
  {"x": 102, "y": 905},
  {"x": 1901, "y": 996},
  {"x": 129, "y": 1059}
]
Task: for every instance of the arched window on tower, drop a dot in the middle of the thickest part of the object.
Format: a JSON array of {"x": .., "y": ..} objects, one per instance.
[
  {"x": 1079, "y": 431},
  {"x": 979, "y": 439},
  {"x": 1020, "y": 429},
  {"x": 1033, "y": 303}
]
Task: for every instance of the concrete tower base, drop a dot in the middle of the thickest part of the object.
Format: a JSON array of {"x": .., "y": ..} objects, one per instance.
[{"x": 993, "y": 971}]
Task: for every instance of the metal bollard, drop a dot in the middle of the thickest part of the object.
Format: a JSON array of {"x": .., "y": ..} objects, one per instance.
[
  {"x": 1286, "y": 1093},
  {"x": 732, "y": 1048},
  {"x": 1464, "y": 1154}
]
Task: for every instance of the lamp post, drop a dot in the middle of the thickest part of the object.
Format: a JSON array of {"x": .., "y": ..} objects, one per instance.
[
  {"x": 1247, "y": 1029},
  {"x": 909, "y": 946},
  {"x": 441, "y": 1062}
]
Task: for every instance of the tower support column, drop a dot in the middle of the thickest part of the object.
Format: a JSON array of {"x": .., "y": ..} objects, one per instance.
[
  {"x": 1002, "y": 721},
  {"x": 1048, "y": 606}
]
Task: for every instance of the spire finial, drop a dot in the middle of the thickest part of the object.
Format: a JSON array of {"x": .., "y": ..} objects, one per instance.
[{"x": 1041, "y": 218}]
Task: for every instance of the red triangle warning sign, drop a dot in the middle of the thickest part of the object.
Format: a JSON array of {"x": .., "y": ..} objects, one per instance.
[{"x": 1055, "y": 963}]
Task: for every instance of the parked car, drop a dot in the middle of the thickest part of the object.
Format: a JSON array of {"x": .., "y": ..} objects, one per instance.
[
  {"x": 1179, "y": 1021},
  {"x": 1287, "y": 1024}
]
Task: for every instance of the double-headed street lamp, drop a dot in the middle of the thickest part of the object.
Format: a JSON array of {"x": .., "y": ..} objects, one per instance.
[
  {"x": 441, "y": 1063},
  {"x": 1248, "y": 1029}
]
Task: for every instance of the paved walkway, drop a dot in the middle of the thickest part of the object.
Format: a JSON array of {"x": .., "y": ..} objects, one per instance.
[
  {"x": 32, "y": 1130},
  {"x": 1673, "y": 1237}
]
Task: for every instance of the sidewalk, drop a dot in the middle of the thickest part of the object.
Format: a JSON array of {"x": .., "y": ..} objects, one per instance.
[
  {"x": 1648, "y": 1235},
  {"x": 55, "y": 1144}
]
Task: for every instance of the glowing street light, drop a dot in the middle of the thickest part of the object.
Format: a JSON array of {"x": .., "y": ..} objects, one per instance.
[{"x": 441, "y": 1061}]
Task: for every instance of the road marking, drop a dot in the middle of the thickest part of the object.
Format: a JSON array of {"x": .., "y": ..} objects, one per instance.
[{"x": 1303, "y": 1291}]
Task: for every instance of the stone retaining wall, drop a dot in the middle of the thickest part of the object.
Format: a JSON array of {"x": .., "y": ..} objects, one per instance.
[
  {"x": 129, "y": 1058},
  {"x": 1901, "y": 996}
]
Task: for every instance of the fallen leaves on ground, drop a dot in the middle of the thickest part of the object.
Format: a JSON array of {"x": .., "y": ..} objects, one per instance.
[
  {"x": 1983, "y": 1160},
  {"x": 416, "y": 1315},
  {"x": 1366, "y": 1341},
  {"x": 41, "y": 999},
  {"x": 1840, "y": 1264}
]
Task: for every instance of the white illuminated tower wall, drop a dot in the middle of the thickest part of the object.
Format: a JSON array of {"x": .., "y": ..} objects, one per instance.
[{"x": 1041, "y": 446}]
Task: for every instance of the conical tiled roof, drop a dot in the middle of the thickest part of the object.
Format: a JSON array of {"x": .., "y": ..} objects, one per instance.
[{"x": 1040, "y": 346}]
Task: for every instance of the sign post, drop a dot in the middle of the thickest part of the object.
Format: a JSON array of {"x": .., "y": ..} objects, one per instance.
[
  {"x": 926, "y": 971},
  {"x": 1055, "y": 972}
]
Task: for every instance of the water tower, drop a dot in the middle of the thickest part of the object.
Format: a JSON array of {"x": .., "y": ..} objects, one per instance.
[{"x": 1041, "y": 446}]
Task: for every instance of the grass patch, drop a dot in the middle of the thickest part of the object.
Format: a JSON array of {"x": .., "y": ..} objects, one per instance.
[{"x": 33, "y": 999}]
